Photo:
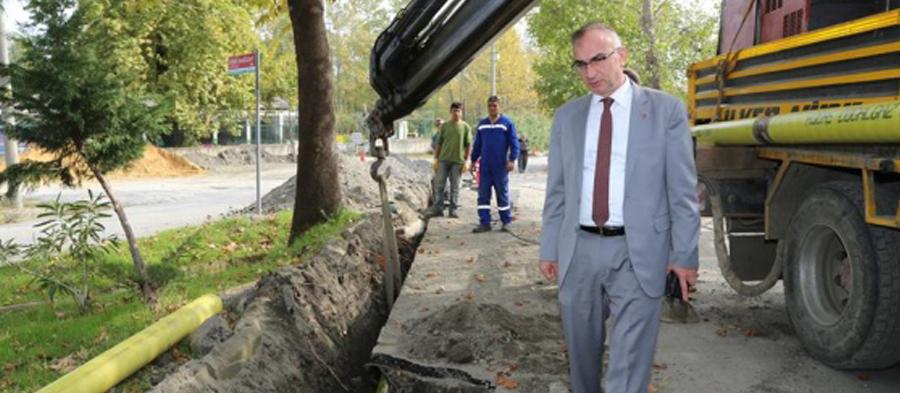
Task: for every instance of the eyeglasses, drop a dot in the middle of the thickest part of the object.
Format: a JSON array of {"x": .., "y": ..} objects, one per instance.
[{"x": 595, "y": 61}]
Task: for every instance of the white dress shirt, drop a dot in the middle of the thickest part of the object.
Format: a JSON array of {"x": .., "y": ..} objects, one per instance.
[{"x": 621, "y": 117}]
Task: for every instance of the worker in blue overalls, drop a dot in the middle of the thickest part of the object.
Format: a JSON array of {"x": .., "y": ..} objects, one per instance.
[{"x": 497, "y": 145}]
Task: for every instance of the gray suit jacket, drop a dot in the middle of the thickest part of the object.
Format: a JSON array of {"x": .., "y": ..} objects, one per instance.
[{"x": 662, "y": 221}]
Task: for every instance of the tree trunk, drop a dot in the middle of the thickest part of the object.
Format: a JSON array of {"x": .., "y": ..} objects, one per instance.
[
  {"x": 318, "y": 189},
  {"x": 647, "y": 27},
  {"x": 11, "y": 145},
  {"x": 147, "y": 291}
]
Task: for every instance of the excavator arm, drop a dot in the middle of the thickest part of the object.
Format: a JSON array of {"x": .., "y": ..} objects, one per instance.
[{"x": 426, "y": 45}]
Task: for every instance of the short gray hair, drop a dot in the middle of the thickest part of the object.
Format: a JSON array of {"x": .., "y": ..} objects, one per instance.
[{"x": 596, "y": 25}]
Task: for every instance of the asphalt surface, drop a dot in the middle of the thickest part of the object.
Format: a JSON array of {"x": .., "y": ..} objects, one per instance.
[{"x": 153, "y": 205}]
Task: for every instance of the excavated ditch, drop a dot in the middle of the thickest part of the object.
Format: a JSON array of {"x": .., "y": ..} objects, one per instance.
[{"x": 311, "y": 327}]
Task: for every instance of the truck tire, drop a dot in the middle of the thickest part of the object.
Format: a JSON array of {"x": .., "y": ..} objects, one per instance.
[{"x": 842, "y": 281}]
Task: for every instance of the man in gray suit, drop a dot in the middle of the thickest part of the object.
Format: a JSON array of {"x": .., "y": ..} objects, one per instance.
[{"x": 620, "y": 211}]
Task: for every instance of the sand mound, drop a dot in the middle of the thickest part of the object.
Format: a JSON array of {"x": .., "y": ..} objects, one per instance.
[{"x": 155, "y": 163}]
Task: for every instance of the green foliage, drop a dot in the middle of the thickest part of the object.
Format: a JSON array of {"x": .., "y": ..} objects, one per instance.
[
  {"x": 536, "y": 126},
  {"x": 73, "y": 101},
  {"x": 177, "y": 50},
  {"x": 352, "y": 27},
  {"x": 682, "y": 35},
  {"x": 70, "y": 237},
  {"x": 188, "y": 50}
]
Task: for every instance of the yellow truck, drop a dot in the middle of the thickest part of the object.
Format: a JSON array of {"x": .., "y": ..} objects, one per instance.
[{"x": 797, "y": 131}]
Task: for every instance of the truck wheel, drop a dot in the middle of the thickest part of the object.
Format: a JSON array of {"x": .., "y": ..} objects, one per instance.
[{"x": 842, "y": 281}]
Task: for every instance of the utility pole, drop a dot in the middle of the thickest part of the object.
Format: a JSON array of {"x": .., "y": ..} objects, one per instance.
[
  {"x": 12, "y": 147},
  {"x": 494, "y": 69}
]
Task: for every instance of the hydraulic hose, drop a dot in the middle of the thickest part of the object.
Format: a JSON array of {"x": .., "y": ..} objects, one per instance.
[{"x": 725, "y": 263}]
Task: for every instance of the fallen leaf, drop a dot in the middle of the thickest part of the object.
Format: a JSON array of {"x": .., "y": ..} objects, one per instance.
[
  {"x": 470, "y": 259},
  {"x": 100, "y": 337},
  {"x": 651, "y": 388},
  {"x": 439, "y": 291},
  {"x": 10, "y": 367},
  {"x": 421, "y": 251},
  {"x": 380, "y": 260},
  {"x": 230, "y": 247},
  {"x": 480, "y": 277},
  {"x": 519, "y": 303},
  {"x": 507, "y": 264},
  {"x": 660, "y": 366},
  {"x": 179, "y": 357},
  {"x": 752, "y": 333},
  {"x": 722, "y": 331},
  {"x": 65, "y": 364},
  {"x": 512, "y": 367},
  {"x": 506, "y": 382},
  {"x": 431, "y": 274},
  {"x": 469, "y": 296}
]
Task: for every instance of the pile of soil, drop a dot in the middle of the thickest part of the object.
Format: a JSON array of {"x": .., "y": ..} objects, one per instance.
[
  {"x": 307, "y": 328},
  {"x": 216, "y": 157},
  {"x": 155, "y": 163},
  {"x": 468, "y": 332},
  {"x": 407, "y": 183}
]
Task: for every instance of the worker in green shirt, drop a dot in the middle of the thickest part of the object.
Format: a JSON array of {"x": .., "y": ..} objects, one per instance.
[{"x": 451, "y": 152}]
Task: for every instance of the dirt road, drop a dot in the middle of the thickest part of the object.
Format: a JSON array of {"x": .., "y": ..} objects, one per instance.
[
  {"x": 740, "y": 346},
  {"x": 156, "y": 204}
]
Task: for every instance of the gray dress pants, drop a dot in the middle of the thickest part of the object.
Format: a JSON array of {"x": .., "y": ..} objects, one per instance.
[{"x": 599, "y": 284}]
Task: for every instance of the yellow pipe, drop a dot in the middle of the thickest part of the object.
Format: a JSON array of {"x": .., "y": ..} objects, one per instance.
[
  {"x": 739, "y": 132},
  {"x": 111, "y": 367},
  {"x": 873, "y": 123},
  {"x": 876, "y": 123}
]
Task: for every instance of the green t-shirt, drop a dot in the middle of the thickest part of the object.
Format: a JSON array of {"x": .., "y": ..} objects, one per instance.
[{"x": 454, "y": 138}]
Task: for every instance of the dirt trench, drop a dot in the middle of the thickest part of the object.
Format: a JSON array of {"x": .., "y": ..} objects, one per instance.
[{"x": 311, "y": 327}]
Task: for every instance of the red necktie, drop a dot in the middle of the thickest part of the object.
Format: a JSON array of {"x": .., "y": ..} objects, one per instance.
[{"x": 601, "y": 169}]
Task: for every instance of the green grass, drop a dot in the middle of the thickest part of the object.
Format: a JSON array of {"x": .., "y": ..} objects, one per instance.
[{"x": 183, "y": 263}]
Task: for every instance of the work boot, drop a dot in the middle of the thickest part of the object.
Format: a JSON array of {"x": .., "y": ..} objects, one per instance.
[
  {"x": 453, "y": 214},
  {"x": 481, "y": 228}
]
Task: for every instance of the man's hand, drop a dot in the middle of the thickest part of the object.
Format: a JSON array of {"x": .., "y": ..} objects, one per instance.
[
  {"x": 465, "y": 167},
  {"x": 509, "y": 166},
  {"x": 688, "y": 279},
  {"x": 548, "y": 269},
  {"x": 434, "y": 165}
]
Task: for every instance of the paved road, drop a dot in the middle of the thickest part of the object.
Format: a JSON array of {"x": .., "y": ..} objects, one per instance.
[{"x": 156, "y": 204}]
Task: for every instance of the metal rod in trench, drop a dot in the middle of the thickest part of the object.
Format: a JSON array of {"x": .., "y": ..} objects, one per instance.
[{"x": 389, "y": 245}]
